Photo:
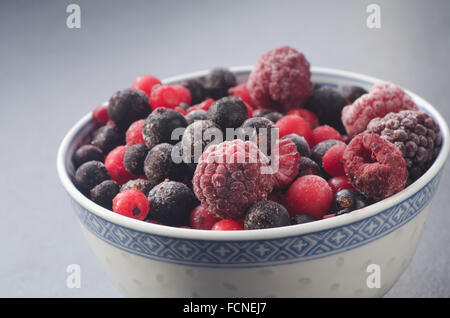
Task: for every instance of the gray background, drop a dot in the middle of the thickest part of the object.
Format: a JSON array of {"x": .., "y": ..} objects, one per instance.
[{"x": 51, "y": 76}]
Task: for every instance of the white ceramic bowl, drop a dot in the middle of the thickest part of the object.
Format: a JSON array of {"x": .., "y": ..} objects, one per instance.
[{"x": 326, "y": 258}]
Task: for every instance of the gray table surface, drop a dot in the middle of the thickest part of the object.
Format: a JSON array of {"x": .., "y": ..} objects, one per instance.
[{"x": 50, "y": 76}]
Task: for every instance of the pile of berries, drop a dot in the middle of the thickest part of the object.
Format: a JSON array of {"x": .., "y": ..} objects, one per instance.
[{"x": 275, "y": 151}]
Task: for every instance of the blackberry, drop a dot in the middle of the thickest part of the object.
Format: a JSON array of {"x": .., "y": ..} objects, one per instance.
[
  {"x": 171, "y": 203},
  {"x": 128, "y": 105},
  {"x": 321, "y": 148},
  {"x": 134, "y": 159},
  {"x": 219, "y": 81},
  {"x": 414, "y": 133},
  {"x": 107, "y": 138},
  {"x": 228, "y": 112},
  {"x": 260, "y": 130},
  {"x": 301, "y": 143},
  {"x": 302, "y": 218},
  {"x": 90, "y": 174},
  {"x": 104, "y": 193},
  {"x": 87, "y": 153},
  {"x": 159, "y": 165},
  {"x": 195, "y": 115},
  {"x": 138, "y": 184},
  {"x": 308, "y": 167},
  {"x": 327, "y": 103},
  {"x": 266, "y": 214},
  {"x": 273, "y": 116},
  {"x": 352, "y": 93},
  {"x": 159, "y": 125},
  {"x": 197, "y": 89}
]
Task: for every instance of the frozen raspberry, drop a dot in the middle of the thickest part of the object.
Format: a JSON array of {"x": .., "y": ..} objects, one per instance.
[
  {"x": 195, "y": 115},
  {"x": 100, "y": 114},
  {"x": 375, "y": 166},
  {"x": 90, "y": 174},
  {"x": 197, "y": 90},
  {"x": 288, "y": 163},
  {"x": 133, "y": 135},
  {"x": 323, "y": 133},
  {"x": 146, "y": 83},
  {"x": 134, "y": 159},
  {"x": 301, "y": 143},
  {"x": 138, "y": 184},
  {"x": 293, "y": 124},
  {"x": 309, "y": 195},
  {"x": 307, "y": 115},
  {"x": 414, "y": 133},
  {"x": 128, "y": 105},
  {"x": 159, "y": 164},
  {"x": 382, "y": 99},
  {"x": 241, "y": 92},
  {"x": 321, "y": 148},
  {"x": 167, "y": 96},
  {"x": 87, "y": 153},
  {"x": 201, "y": 219},
  {"x": 131, "y": 203},
  {"x": 231, "y": 176},
  {"x": 114, "y": 162},
  {"x": 332, "y": 160},
  {"x": 227, "y": 225},
  {"x": 352, "y": 93},
  {"x": 107, "y": 138},
  {"x": 309, "y": 166},
  {"x": 228, "y": 112},
  {"x": 104, "y": 193},
  {"x": 339, "y": 183},
  {"x": 280, "y": 80},
  {"x": 219, "y": 81},
  {"x": 266, "y": 214}
]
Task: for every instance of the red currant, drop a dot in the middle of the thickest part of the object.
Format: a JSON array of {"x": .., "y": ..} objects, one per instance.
[
  {"x": 332, "y": 160},
  {"x": 132, "y": 203},
  {"x": 146, "y": 83},
  {"x": 227, "y": 225},
  {"x": 201, "y": 219},
  {"x": 100, "y": 114},
  {"x": 293, "y": 124}
]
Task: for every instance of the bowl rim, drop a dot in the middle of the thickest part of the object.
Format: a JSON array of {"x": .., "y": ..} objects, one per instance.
[{"x": 262, "y": 234}]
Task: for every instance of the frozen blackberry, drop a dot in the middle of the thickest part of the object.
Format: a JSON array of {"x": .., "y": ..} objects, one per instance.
[
  {"x": 159, "y": 125},
  {"x": 261, "y": 131},
  {"x": 196, "y": 138},
  {"x": 90, "y": 174},
  {"x": 195, "y": 115},
  {"x": 327, "y": 103},
  {"x": 261, "y": 112},
  {"x": 309, "y": 166},
  {"x": 266, "y": 214},
  {"x": 274, "y": 116},
  {"x": 414, "y": 133},
  {"x": 321, "y": 148},
  {"x": 197, "y": 89},
  {"x": 302, "y": 218},
  {"x": 301, "y": 143},
  {"x": 138, "y": 184},
  {"x": 228, "y": 112},
  {"x": 171, "y": 203},
  {"x": 87, "y": 153},
  {"x": 352, "y": 93},
  {"x": 128, "y": 105},
  {"x": 104, "y": 193},
  {"x": 107, "y": 138},
  {"x": 159, "y": 165},
  {"x": 134, "y": 159},
  {"x": 219, "y": 81}
]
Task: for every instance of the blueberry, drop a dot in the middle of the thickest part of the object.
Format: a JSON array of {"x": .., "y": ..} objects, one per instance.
[
  {"x": 301, "y": 143},
  {"x": 134, "y": 159},
  {"x": 261, "y": 131},
  {"x": 197, "y": 89},
  {"x": 90, "y": 174},
  {"x": 273, "y": 116},
  {"x": 345, "y": 199},
  {"x": 87, "y": 153},
  {"x": 128, "y": 105},
  {"x": 308, "y": 167},
  {"x": 195, "y": 115},
  {"x": 219, "y": 81},
  {"x": 104, "y": 193},
  {"x": 321, "y": 148},
  {"x": 138, "y": 184},
  {"x": 107, "y": 138},
  {"x": 261, "y": 112},
  {"x": 352, "y": 93},
  {"x": 266, "y": 214},
  {"x": 302, "y": 218},
  {"x": 159, "y": 165},
  {"x": 228, "y": 112}
]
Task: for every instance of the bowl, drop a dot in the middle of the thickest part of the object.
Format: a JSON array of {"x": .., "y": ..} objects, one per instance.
[{"x": 359, "y": 254}]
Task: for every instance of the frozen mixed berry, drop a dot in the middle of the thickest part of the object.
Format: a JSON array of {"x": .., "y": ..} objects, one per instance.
[
  {"x": 327, "y": 103},
  {"x": 114, "y": 162},
  {"x": 100, "y": 114},
  {"x": 309, "y": 195},
  {"x": 285, "y": 162},
  {"x": 241, "y": 92},
  {"x": 128, "y": 105},
  {"x": 280, "y": 80},
  {"x": 273, "y": 116},
  {"x": 131, "y": 203},
  {"x": 339, "y": 183},
  {"x": 266, "y": 214},
  {"x": 159, "y": 165},
  {"x": 324, "y": 132},
  {"x": 134, "y": 159},
  {"x": 293, "y": 124},
  {"x": 414, "y": 133},
  {"x": 159, "y": 125},
  {"x": 133, "y": 135},
  {"x": 228, "y": 112},
  {"x": 138, "y": 184},
  {"x": 219, "y": 81},
  {"x": 107, "y": 138},
  {"x": 375, "y": 166},
  {"x": 382, "y": 99},
  {"x": 227, "y": 225},
  {"x": 261, "y": 131},
  {"x": 332, "y": 160},
  {"x": 231, "y": 176},
  {"x": 302, "y": 218},
  {"x": 197, "y": 90},
  {"x": 201, "y": 219},
  {"x": 195, "y": 115},
  {"x": 104, "y": 193},
  {"x": 348, "y": 200},
  {"x": 183, "y": 107},
  {"x": 171, "y": 203},
  {"x": 183, "y": 94},
  {"x": 90, "y": 174},
  {"x": 196, "y": 138},
  {"x": 146, "y": 83},
  {"x": 180, "y": 110},
  {"x": 301, "y": 143},
  {"x": 167, "y": 96},
  {"x": 307, "y": 115},
  {"x": 261, "y": 112},
  {"x": 309, "y": 167},
  {"x": 278, "y": 196},
  {"x": 319, "y": 150},
  {"x": 87, "y": 153},
  {"x": 205, "y": 105},
  {"x": 352, "y": 93}
]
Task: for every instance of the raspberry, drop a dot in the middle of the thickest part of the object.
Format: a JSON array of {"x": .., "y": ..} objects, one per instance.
[
  {"x": 288, "y": 163},
  {"x": 133, "y": 135},
  {"x": 114, "y": 162},
  {"x": 87, "y": 153},
  {"x": 307, "y": 115},
  {"x": 375, "y": 166},
  {"x": 201, "y": 219},
  {"x": 323, "y": 133},
  {"x": 293, "y": 124},
  {"x": 104, "y": 193},
  {"x": 195, "y": 115},
  {"x": 219, "y": 81},
  {"x": 227, "y": 225},
  {"x": 339, "y": 183},
  {"x": 382, "y": 98},
  {"x": 414, "y": 133},
  {"x": 281, "y": 80},
  {"x": 146, "y": 83},
  {"x": 128, "y": 105},
  {"x": 107, "y": 138},
  {"x": 183, "y": 94},
  {"x": 228, "y": 112},
  {"x": 197, "y": 90},
  {"x": 308, "y": 167},
  {"x": 266, "y": 214},
  {"x": 90, "y": 174},
  {"x": 230, "y": 177},
  {"x": 352, "y": 93},
  {"x": 100, "y": 114},
  {"x": 159, "y": 165},
  {"x": 301, "y": 143},
  {"x": 134, "y": 159},
  {"x": 309, "y": 195},
  {"x": 241, "y": 91},
  {"x": 131, "y": 203},
  {"x": 332, "y": 160},
  {"x": 167, "y": 96},
  {"x": 138, "y": 184}
]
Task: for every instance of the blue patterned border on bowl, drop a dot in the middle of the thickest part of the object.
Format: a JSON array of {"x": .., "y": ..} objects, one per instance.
[{"x": 259, "y": 253}]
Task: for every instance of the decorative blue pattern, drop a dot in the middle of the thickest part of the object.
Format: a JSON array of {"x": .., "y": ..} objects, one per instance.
[{"x": 258, "y": 253}]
